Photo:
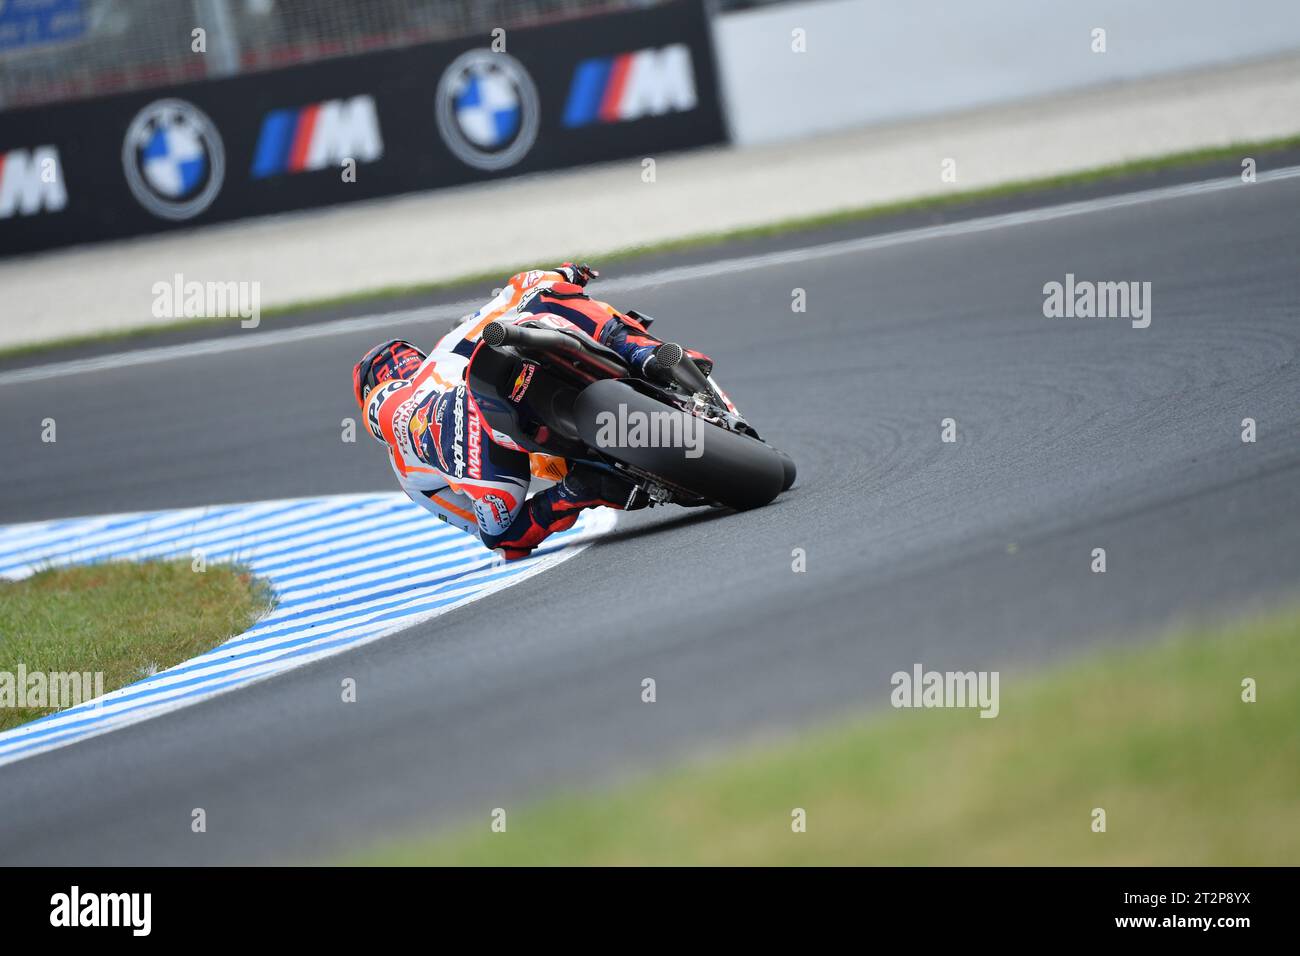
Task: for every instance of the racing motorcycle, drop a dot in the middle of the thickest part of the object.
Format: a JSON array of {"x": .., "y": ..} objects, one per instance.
[{"x": 672, "y": 432}]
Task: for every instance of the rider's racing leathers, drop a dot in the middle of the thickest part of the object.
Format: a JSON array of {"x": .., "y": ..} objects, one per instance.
[{"x": 447, "y": 457}]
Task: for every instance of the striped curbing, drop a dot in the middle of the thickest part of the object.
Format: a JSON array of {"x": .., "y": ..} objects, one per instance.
[{"x": 338, "y": 585}]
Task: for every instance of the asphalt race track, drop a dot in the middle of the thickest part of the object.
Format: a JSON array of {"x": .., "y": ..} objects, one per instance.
[{"x": 1072, "y": 434}]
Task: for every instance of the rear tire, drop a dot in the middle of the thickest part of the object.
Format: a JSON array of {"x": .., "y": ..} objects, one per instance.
[
  {"x": 787, "y": 463},
  {"x": 733, "y": 470}
]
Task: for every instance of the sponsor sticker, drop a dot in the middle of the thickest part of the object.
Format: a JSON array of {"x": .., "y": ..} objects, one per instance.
[
  {"x": 375, "y": 400},
  {"x": 31, "y": 181},
  {"x": 522, "y": 381},
  {"x": 629, "y": 86},
  {"x": 487, "y": 109},
  {"x": 494, "y": 511},
  {"x": 318, "y": 136},
  {"x": 173, "y": 159}
]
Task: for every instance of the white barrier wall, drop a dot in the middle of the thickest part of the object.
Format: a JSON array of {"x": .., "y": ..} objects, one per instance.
[{"x": 869, "y": 61}]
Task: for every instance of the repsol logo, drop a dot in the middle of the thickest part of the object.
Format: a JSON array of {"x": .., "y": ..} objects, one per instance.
[{"x": 376, "y": 399}]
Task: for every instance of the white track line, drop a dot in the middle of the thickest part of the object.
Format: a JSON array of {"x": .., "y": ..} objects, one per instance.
[{"x": 707, "y": 270}]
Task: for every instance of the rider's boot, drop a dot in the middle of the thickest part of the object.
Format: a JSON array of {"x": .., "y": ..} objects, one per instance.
[{"x": 557, "y": 508}]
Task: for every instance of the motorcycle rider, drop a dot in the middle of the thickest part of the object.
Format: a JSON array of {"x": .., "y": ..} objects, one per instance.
[{"x": 446, "y": 456}]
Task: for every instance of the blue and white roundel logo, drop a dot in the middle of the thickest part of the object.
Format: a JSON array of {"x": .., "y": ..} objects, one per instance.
[
  {"x": 487, "y": 109},
  {"x": 173, "y": 159}
]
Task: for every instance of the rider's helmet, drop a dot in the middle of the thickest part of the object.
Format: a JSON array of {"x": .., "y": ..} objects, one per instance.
[{"x": 397, "y": 359}]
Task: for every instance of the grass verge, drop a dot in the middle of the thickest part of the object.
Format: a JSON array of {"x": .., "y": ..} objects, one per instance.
[
  {"x": 124, "y": 619},
  {"x": 1160, "y": 738},
  {"x": 604, "y": 258}
]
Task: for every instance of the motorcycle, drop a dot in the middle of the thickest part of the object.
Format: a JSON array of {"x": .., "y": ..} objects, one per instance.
[{"x": 671, "y": 432}]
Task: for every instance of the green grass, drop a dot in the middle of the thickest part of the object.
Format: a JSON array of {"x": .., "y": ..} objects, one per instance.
[
  {"x": 610, "y": 257},
  {"x": 1187, "y": 773},
  {"x": 124, "y": 619}
]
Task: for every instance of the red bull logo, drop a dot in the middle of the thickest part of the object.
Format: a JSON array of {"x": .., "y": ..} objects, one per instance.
[{"x": 521, "y": 382}]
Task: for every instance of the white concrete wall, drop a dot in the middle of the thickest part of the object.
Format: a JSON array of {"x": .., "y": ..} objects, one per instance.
[{"x": 872, "y": 61}]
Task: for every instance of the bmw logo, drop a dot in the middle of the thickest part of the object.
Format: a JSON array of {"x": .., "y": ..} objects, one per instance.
[
  {"x": 487, "y": 109},
  {"x": 173, "y": 159}
]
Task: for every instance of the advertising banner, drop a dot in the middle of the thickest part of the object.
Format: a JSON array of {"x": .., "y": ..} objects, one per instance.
[
  {"x": 422, "y": 117},
  {"x": 34, "y": 23}
]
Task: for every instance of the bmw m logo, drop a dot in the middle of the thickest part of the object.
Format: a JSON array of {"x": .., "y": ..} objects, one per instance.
[
  {"x": 487, "y": 109},
  {"x": 173, "y": 159}
]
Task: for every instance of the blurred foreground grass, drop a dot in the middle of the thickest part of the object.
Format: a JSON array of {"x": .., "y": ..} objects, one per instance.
[
  {"x": 1159, "y": 737},
  {"x": 126, "y": 619}
]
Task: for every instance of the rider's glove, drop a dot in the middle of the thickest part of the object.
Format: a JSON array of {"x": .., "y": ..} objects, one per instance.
[
  {"x": 579, "y": 273},
  {"x": 650, "y": 370}
]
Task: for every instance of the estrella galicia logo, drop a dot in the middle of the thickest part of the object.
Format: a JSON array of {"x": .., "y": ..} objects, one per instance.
[
  {"x": 487, "y": 109},
  {"x": 173, "y": 159}
]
